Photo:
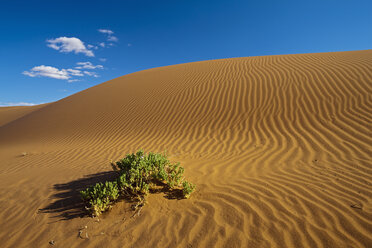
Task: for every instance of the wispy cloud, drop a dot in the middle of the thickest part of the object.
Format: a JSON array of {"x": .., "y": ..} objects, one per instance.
[
  {"x": 92, "y": 46},
  {"x": 106, "y": 31},
  {"x": 113, "y": 38},
  {"x": 8, "y": 104},
  {"x": 88, "y": 65},
  {"x": 91, "y": 73},
  {"x": 69, "y": 44},
  {"x": 73, "y": 80},
  {"x": 74, "y": 72},
  {"x": 110, "y": 36},
  {"x": 48, "y": 71},
  {"x": 63, "y": 74}
]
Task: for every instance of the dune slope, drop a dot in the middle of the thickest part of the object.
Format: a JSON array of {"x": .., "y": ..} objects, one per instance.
[
  {"x": 279, "y": 147},
  {"x": 9, "y": 114}
]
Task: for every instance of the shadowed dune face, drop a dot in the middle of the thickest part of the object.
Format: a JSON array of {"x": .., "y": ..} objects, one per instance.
[
  {"x": 9, "y": 114},
  {"x": 279, "y": 147}
]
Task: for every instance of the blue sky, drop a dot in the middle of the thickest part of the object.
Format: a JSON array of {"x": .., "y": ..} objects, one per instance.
[{"x": 52, "y": 49}]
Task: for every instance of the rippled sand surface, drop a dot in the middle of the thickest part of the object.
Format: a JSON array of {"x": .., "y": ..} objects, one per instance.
[{"x": 280, "y": 148}]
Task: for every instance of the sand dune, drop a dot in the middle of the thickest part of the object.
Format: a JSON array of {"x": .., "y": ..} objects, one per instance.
[
  {"x": 280, "y": 148},
  {"x": 9, "y": 114}
]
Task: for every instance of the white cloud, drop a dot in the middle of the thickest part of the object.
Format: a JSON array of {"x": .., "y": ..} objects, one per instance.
[
  {"x": 91, "y": 73},
  {"x": 64, "y": 74},
  {"x": 66, "y": 44},
  {"x": 52, "y": 72},
  {"x": 113, "y": 38},
  {"x": 103, "y": 59},
  {"x": 8, "y": 104},
  {"x": 73, "y": 80},
  {"x": 106, "y": 31},
  {"x": 109, "y": 33},
  {"x": 88, "y": 65},
  {"x": 74, "y": 72},
  {"x": 102, "y": 44},
  {"x": 92, "y": 46},
  {"x": 47, "y": 71}
]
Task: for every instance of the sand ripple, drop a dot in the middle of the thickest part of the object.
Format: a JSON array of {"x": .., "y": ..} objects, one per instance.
[{"x": 279, "y": 147}]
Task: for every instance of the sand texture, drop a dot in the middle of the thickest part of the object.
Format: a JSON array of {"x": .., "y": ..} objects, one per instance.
[
  {"x": 9, "y": 114},
  {"x": 280, "y": 148}
]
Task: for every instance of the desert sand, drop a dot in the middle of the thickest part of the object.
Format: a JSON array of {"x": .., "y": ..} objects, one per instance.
[{"x": 280, "y": 148}]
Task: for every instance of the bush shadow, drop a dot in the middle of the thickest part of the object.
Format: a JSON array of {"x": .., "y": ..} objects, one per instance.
[
  {"x": 68, "y": 204},
  {"x": 174, "y": 194},
  {"x": 170, "y": 194}
]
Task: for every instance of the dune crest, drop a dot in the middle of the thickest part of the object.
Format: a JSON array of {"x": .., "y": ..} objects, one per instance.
[{"x": 280, "y": 148}]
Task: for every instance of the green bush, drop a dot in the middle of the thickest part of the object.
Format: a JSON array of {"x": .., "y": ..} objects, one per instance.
[
  {"x": 138, "y": 173},
  {"x": 100, "y": 197},
  {"x": 188, "y": 188}
]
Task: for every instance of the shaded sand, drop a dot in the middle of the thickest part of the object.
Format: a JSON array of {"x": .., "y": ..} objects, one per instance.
[
  {"x": 9, "y": 114},
  {"x": 279, "y": 147}
]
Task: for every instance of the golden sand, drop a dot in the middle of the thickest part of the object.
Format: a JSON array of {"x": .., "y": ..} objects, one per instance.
[{"x": 280, "y": 148}]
